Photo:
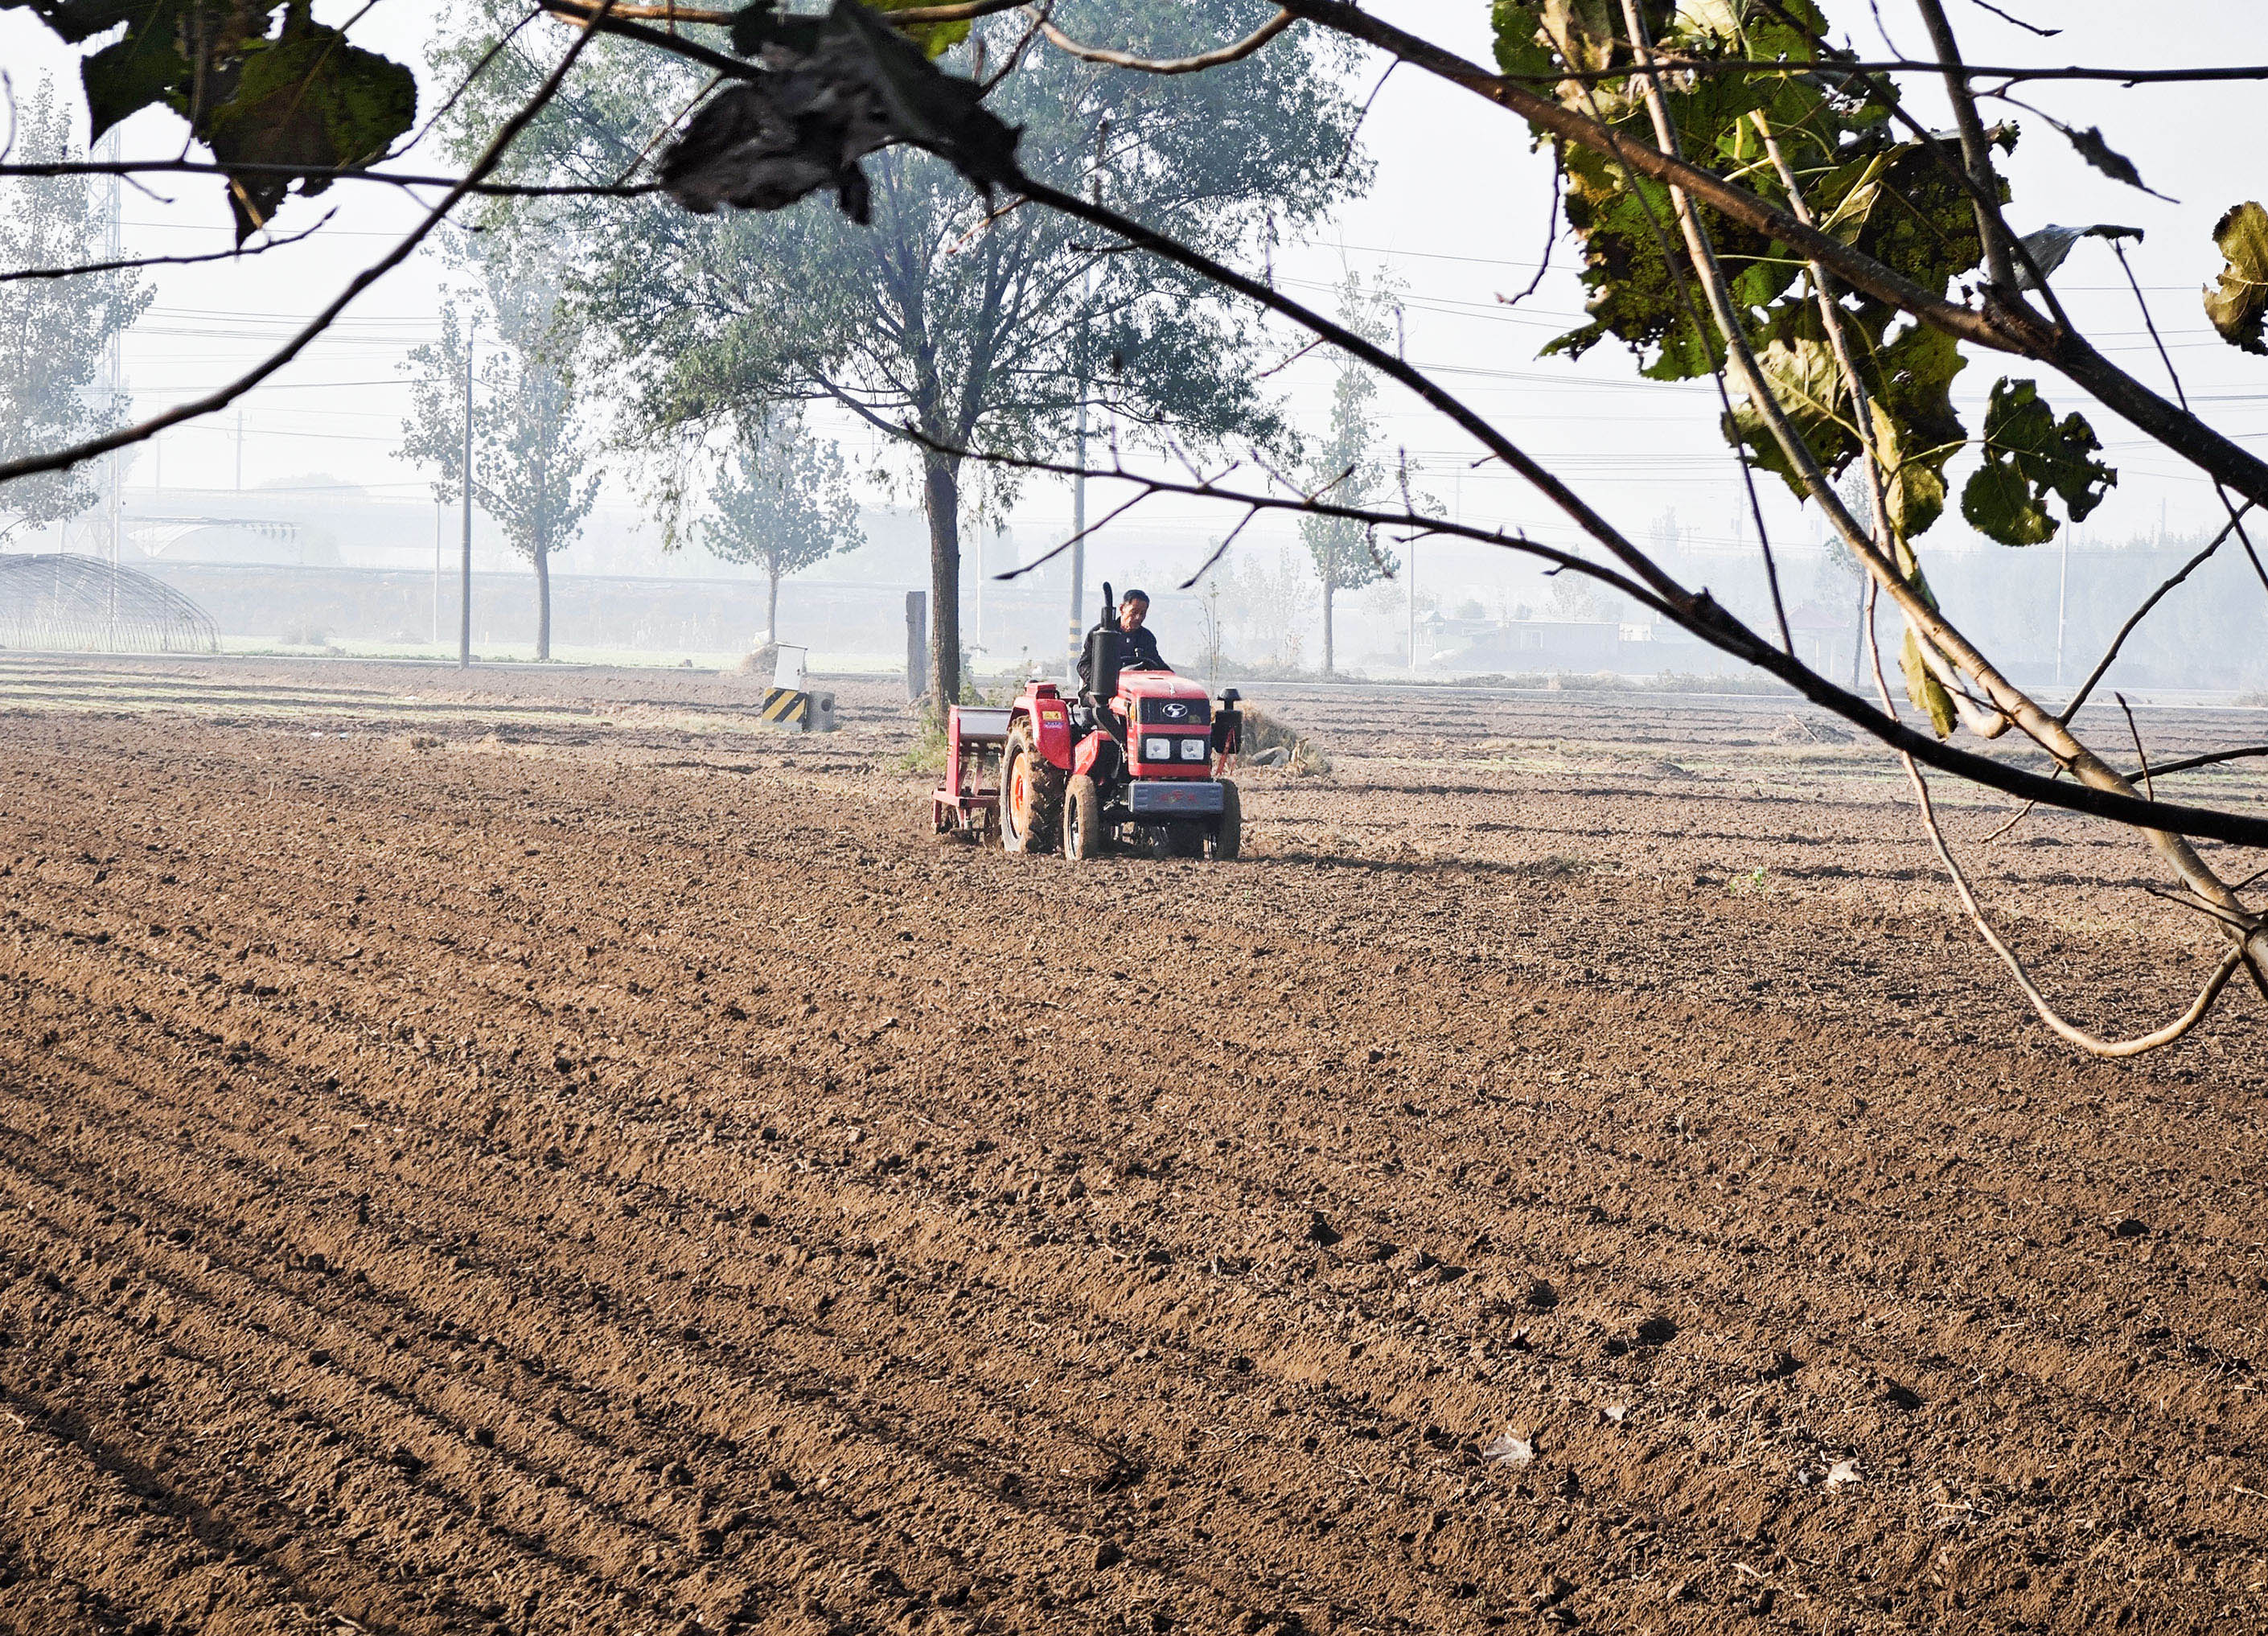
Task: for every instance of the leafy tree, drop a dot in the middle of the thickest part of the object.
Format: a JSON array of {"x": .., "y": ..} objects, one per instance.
[
  {"x": 1347, "y": 467},
  {"x": 530, "y": 454},
  {"x": 784, "y": 502},
  {"x": 945, "y": 322},
  {"x": 54, "y": 333}
]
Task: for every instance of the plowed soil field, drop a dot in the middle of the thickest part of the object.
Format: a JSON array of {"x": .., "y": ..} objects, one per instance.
[{"x": 530, "y": 1153}]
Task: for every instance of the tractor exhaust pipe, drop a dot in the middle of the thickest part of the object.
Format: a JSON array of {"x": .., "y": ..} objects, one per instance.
[
  {"x": 1102, "y": 653},
  {"x": 1101, "y": 664}
]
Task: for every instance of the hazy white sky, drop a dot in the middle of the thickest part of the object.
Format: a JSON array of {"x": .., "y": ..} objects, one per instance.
[{"x": 1457, "y": 214}]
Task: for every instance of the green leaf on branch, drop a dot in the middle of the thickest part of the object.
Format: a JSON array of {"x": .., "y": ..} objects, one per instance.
[
  {"x": 311, "y": 101},
  {"x": 1519, "y": 49},
  {"x": 1927, "y": 693},
  {"x": 300, "y": 97},
  {"x": 1808, "y": 385},
  {"x": 123, "y": 79},
  {"x": 1908, "y": 389},
  {"x": 2028, "y": 455},
  {"x": 2239, "y": 301},
  {"x": 1916, "y": 430}
]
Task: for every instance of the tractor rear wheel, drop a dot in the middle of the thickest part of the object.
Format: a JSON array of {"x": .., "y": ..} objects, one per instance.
[
  {"x": 1228, "y": 838},
  {"x": 1082, "y": 819},
  {"x": 1031, "y": 795}
]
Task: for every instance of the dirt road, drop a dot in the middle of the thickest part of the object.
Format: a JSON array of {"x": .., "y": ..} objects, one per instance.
[{"x": 537, "y": 1157}]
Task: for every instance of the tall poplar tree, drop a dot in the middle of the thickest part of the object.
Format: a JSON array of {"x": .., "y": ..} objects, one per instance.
[
  {"x": 531, "y": 450},
  {"x": 782, "y": 500},
  {"x": 56, "y": 333},
  {"x": 1347, "y": 469}
]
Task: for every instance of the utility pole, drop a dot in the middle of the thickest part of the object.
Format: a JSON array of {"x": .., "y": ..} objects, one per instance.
[
  {"x": 1078, "y": 460},
  {"x": 1078, "y": 519},
  {"x": 114, "y": 249},
  {"x": 2063, "y": 591},
  {"x": 239, "y": 451},
  {"x": 465, "y": 573},
  {"x": 1412, "y": 571},
  {"x": 440, "y": 520}
]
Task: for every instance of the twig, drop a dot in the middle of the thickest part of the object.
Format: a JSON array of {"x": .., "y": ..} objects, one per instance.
[
  {"x": 2010, "y": 17},
  {"x": 130, "y": 169},
  {"x": 910, "y": 17},
  {"x": 666, "y": 127},
  {"x": 2218, "y": 756},
  {"x": 2021, "y": 814},
  {"x": 986, "y": 87},
  {"x": 1841, "y": 69},
  {"x": 1550, "y": 226},
  {"x": 62, "y": 460},
  {"x": 1197, "y": 64},
  {"x": 1276, "y": 369},
  {"x": 129, "y": 263},
  {"x": 478, "y": 69},
  {"x": 2140, "y": 753},
  {"x": 2136, "y": 618},
  {"x": 2236, "y": 517},
  {"x": 2211, "y": 911},
  {"x": 1219, "y": 551},
  {"x": 1362, "y": 116}
]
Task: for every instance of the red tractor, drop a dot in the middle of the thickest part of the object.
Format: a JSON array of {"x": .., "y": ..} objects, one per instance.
[{"x": 1135, "y": 757}]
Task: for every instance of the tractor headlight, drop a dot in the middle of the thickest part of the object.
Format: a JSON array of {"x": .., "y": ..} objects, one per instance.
[
  {"x": 1193, "y": 749},
  {"x": 1157, "y": 749}
]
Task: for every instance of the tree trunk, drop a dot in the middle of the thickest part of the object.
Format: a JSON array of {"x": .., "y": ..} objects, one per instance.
[
  {"x": 1859, "y": 635},
  {"x": 542, "y": 558},
  {"x": 1328, "y": 654},
  {"x": 542, "y": 600},
  {"x": 771, "y": 606},
  {"x": 941, "y": 498}
]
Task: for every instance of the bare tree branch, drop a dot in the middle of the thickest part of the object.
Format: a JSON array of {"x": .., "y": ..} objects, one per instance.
[
  {"x": 1839, "y": 69},
  {"x": 1236, "y": 53},
  {"x": 130, "y": 263},
  {"x": 2149, "y": 784},
  {"x": 131, "y": 168}
]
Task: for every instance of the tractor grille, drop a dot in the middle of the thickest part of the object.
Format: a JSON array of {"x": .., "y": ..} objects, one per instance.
[
  {"x": 1159, "y": 797},
  {"x": 1176, "y": 712}
]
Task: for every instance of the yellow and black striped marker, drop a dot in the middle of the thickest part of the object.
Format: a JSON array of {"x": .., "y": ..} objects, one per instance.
[{"x": 790, "y": 707}]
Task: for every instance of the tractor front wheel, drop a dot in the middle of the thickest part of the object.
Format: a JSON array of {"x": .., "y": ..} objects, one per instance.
[
  {"x": 1228, "y": 838},
  {"x": 1082, "y": 819},
  {"x": 1031, "y": 796}
]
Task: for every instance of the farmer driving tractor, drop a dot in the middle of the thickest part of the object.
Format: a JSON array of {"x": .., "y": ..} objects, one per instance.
[{"x": 1137, "y": 648}]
